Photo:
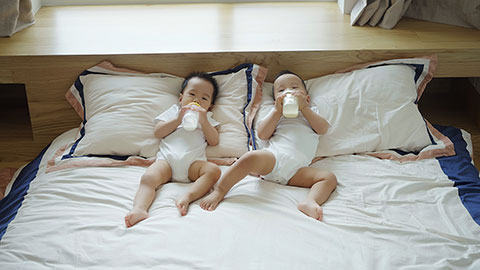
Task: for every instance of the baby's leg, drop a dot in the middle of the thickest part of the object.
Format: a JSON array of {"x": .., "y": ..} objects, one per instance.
[
  {"x": 205, "y": 175},
  {"x": 259, "y": 162},
  {"x": 322, "y": 184},
  {"x": 156, "y": 175}
]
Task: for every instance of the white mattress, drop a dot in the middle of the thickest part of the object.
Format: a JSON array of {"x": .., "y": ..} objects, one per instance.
[{"x": 383, "y": 215}]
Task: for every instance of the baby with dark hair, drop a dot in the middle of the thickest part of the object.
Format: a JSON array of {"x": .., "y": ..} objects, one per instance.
[
  {"x": 181, "y": 154},
  {"x": 292, "y": 143}
]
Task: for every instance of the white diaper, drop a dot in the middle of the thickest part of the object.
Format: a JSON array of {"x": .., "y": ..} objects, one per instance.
[
  {"x": 286, "y": 165},
  {"x": 179, "y": 167}
]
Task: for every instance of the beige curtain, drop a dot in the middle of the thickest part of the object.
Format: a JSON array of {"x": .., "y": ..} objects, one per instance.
[
  {"x": 384, "y": 13},
  {"x": 464, "y": 13},
  {"x": 387, "y": 13},
  {"x": 15, "y": 15}
]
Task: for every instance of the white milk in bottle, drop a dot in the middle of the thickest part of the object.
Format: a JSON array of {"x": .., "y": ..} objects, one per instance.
[
  {"x": 290, "y": 105},
  {"x": 190, "y": 118}
]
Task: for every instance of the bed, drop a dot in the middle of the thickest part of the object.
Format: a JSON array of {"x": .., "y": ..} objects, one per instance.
[
  {"x": 382, "y": 215},
  {"x": 400, "y": 203}
]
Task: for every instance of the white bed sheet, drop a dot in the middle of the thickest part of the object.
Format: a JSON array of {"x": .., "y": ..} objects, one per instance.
[{"x": 383, "y": 215}]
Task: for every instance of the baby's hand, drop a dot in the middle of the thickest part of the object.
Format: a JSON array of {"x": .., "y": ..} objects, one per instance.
[
  {"x": 202, "y": 113},
  {"x": 303, "y": 99},
  {"x": 182, "y": 112},
  {"x": 279, "y": 103}
]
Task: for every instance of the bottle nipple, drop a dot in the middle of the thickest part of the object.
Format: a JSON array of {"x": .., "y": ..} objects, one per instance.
[{"x": 194, "y": 103}]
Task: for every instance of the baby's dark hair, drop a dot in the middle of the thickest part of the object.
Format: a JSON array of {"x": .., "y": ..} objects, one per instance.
[
  {"x": 204, "y": 76},
  {"x": 283, "y": 72}
]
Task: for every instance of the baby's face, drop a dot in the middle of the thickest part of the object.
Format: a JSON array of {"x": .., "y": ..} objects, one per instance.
[
  {"x": 287, "y": 81},
  {"x": 197, "y": 90}
]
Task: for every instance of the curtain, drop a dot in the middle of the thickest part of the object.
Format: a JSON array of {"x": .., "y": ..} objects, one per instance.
[
  {"x": 15, "y": 15},
  {"x": 464, "y": 13},
  {"x": 387, "y": 13},
  {"x": 384, "y": 13}
]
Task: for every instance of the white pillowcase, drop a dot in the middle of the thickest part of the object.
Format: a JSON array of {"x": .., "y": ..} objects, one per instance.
[
  {"x": 118, "y": 106},
  {"x": 371, "y": 108},
  {"x": 235, "y": 107}
]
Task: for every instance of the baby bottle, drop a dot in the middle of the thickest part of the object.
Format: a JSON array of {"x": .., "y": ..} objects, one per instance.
[
  {"x": 190, "y": 118},
  {"x": 290, "y": 105}
]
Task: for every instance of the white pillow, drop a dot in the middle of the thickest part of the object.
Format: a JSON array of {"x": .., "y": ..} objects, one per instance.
[
  {"x": 235, "y": 107},
  {"x": 369, "y": 110},
  {"x": 370, "y": 107},
  {"x": 118, "y": 106}
]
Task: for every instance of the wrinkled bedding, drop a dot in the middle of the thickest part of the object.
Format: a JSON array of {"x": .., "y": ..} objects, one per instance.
[{"x": 383, "y": 215}]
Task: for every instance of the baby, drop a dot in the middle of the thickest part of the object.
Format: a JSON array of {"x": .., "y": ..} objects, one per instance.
[
  {"x": 182, "y": 153},
  {"x": 292, "y": 143}
]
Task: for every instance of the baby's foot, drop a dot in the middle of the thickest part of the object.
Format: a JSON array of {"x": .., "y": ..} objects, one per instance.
[
  {"x": 182, "y": 205},
  {"x": 211, "y": 201},
  {"x": 135, "y": 216},
  {"x": 311, "y": 209}
]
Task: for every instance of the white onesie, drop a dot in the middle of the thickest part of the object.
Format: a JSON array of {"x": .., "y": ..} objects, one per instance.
[
  {"x": 293, "y": 144},
  {"x": 181, "y": 147}
]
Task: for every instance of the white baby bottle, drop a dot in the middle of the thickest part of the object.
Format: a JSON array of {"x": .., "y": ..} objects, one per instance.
[
  {"x": 190, "y": 118},
  {"x": 290, "y": 105}
]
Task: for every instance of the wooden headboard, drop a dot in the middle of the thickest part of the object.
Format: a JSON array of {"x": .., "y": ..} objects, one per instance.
[{"x": 48, "y": 73}]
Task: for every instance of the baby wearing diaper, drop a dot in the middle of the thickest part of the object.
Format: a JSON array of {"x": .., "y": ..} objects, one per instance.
[
  {"x": 181, "y": 154},
  {"x": 292, "y": 143}
]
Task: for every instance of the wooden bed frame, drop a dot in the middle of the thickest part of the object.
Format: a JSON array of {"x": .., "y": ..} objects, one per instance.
[{"x": 46, "y": 58}]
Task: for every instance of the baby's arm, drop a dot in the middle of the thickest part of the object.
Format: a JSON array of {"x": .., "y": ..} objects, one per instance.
[
  {"x": 211, "y": 133},
  {"x": 164, "y": 128},
  {"x": 318, "y": 123},
  {"x": 269, "y": 124}
]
